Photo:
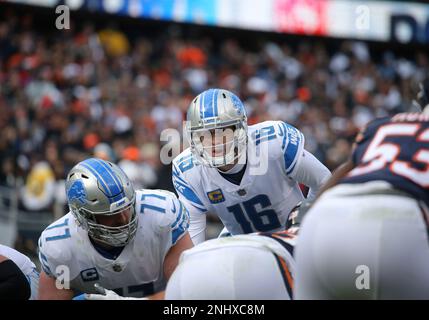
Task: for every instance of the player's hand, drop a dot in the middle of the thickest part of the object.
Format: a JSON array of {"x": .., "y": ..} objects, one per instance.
[
  {"x": 298, "y": 213},
  {"x": 105, "y": 294}
]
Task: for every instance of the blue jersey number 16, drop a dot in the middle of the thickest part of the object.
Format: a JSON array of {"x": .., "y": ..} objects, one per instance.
[{"x": 265, "y": 220}]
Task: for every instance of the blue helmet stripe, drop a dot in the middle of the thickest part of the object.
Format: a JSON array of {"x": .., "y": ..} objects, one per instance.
[
  {"x": 215, "y": 111},
  {"x": 208, "y": 103},
  {"x": 109, "y": 169},
  {"x": 105, "y": 175},
  {"x": 201, "y": 106},
  {"x": 99, "y": 178},
  {"x": 108, "y": 175}
]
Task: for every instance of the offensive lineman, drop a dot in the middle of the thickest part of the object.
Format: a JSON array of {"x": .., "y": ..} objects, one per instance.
[{"x": 123, "y": 240}]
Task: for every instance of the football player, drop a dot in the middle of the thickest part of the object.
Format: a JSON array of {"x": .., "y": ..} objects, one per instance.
[
  {"x": 121, "y": 239},
  {"x": 19, "y": 277},
  {"x": 367, "y": 236},
  {"x": 244, "y": 267},
  {"x": 248, "y": 176}
]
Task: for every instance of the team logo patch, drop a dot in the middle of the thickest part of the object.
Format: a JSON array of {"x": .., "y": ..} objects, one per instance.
[
  {"x": 216, "y": 196},
  {"x": 77, "y": 192}
]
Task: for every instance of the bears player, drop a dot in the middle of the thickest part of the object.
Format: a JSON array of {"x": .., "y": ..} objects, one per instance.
[
  {"x": 367, "y": 237},
  {"x": 121, "y": 239},
  {"x": 248, "y": 176},
  {"x": 243, "y": 267}
]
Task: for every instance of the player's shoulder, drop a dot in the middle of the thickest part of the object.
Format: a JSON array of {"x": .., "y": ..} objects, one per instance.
[
  {"x": 185, "y": 164},
  {"x": 273, "y": 130},
  {"x": 270, "y": 126},
  {"x": 59, "y": 230},
  {"x": 55, "y": 242},
  {"x": 158, "y": 208},
  {"x": 20, "y": 259},
  {"x": 377, "y": 122},
  {"x": 280, "y": 137}
]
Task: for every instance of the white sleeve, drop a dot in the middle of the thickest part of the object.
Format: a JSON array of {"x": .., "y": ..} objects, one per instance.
[
  {"x": 195, "y": 207},
  {"x": 197, "y": 226},
  {"x": 311, "y": 172}
]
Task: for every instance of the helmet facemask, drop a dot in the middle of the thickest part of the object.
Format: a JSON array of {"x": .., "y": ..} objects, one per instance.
[
  {"x": 220, "y": 146},
  {"x": 113, "y": 236}
]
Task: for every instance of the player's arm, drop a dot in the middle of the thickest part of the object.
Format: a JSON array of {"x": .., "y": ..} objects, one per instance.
[
  {"x": 13, "y": 283},
  {"x": 311, "y": 172},
  {"x": 197, "y": 225},
  {"x": 49, "y": 291},
  {"x": 195, "y": 207},
  {"x": 49, "y": 260},
  {"x": 105, "y": 294},
  {"x": 172, "y": 258},
  {"x": 299, "y": 164},
  {"x": 180, "y": 239}
]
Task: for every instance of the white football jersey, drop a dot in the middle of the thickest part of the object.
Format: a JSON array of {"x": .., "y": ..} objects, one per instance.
[
  {"x": 267, "y": 192},
  {"x": 27, "y": 267},
  {"x": 22, "y": 261},
  {"x": 138, "y": 270}
]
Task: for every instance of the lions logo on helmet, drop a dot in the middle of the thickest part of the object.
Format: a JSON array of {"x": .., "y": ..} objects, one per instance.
[
  {"x": 77, "y": 192},
  {"x": 218, "y": 112}
]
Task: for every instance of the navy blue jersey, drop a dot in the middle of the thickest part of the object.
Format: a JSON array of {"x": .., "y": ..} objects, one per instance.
[{"x": 394, "y": 149}]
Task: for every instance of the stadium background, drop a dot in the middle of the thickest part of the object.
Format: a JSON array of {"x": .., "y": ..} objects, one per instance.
[{"x": 126, "y": 70}]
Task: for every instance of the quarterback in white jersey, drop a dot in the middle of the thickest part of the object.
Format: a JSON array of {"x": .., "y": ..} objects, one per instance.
[
  {"x": 248, "y": 176},
  {"x": 27, "y": 267},
  {"x": 123, "y": 240},
  {"x": 243, "y": 267}
]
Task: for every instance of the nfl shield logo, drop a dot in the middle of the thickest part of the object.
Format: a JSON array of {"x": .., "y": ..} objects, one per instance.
[
  {"x": 241, "y": 192},
  {"x": 117, "y": 268}
]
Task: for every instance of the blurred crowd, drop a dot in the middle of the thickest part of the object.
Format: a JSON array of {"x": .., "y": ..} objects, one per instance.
[{"x": 99, "y": 91}]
